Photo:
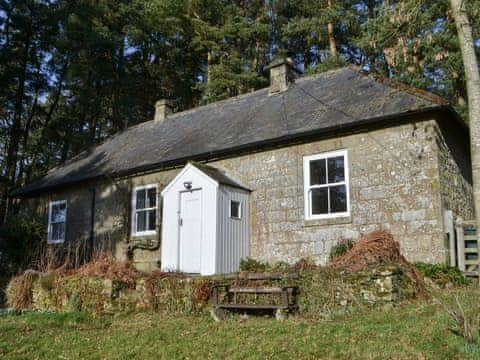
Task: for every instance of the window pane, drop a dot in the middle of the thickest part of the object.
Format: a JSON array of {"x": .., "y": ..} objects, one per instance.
[
  {"x": 141, "y": 221},
  {"x": 152, "y": 197},
  {"x": 319, "y": 201},
  {"x": 59, "y": 212},
  {"x": 318, "y": 172},
  {"x": 152, "y": 216},
  {"x": 235, "y": 209},
  {"x": 58, "y": 231},
  {"x": 140, "y": 199},
  {"x": 336, "y": 169},
  {"x": 338, "y": 198}
]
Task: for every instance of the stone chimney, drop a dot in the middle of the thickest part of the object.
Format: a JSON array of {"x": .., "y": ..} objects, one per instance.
[
  {"x": 282, "y": 73},
  {"x": 163, "y": 108}
]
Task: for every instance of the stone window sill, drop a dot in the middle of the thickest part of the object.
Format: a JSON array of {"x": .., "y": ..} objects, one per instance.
[
  {"x": 149, "y": 242},
  {"x": 324, "y": 222}
]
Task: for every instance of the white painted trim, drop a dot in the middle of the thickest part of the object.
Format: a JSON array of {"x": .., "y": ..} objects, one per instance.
[
  {"x": 49, "y": 231},
  {"x": 307, "y": 188},
  {"x": 239, "y": 210},
  {"x": 184, "y": 170},
  {"x": 134, "y": 210}
]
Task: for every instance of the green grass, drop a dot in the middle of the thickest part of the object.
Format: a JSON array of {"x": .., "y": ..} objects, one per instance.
[{"x": 410, "y": 331}]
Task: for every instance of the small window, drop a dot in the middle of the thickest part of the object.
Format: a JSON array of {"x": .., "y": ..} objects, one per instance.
[
  {"x": 235, "y": 209},
  {"x": 144, "y": 210},
  {"x": 326, "y": 185},
  {"x": 57, "y": 220}
]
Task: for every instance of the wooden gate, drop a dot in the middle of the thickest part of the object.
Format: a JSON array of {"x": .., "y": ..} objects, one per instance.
[{"x": 467, "y": 247}]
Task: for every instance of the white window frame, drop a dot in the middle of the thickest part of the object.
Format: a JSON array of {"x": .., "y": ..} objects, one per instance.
[
  {"x": 49, "y": 235},
  {"x": 134, "y": 210},
  {"x": 239, "y": 209},
  {"x": 307, "y": 187}
]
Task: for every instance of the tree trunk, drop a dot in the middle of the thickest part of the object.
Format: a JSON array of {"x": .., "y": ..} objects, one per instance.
[
  {"x": 117, "y": 91},
  {"x": 26, "y": 137},
  {"x": 331, "y": 33},
  {"x": 472, "y": 76},
  {"x": 209, "y": 65}
]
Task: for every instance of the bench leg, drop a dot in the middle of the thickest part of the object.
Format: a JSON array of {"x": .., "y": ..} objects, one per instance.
[
  {"x": 280, "y": 314},
  {"x": 218, "y": 314}
]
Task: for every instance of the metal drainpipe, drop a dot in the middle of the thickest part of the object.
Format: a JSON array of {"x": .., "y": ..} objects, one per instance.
[{"x": 92, "y": 224}]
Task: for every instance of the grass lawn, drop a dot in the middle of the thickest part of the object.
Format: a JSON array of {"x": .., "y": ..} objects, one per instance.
[{"x": 413, "y": 331}]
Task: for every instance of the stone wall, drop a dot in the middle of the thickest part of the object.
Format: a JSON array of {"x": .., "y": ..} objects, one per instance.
[
  {"x": 394, "y": 184},
  {"x": 455, "y": 172},
  {"x": 322, "y": 292}
]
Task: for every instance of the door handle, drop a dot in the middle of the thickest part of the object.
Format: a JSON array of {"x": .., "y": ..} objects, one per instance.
[{"x": 180, "y": 222}]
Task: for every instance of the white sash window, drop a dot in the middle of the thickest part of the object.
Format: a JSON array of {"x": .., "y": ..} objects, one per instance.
[
  {"x": 144, "y": 210},
  {"x": 57, "y": 221},
  {"x": 326, "y": 185}
]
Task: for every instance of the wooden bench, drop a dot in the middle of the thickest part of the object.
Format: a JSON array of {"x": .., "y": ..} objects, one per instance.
[{"x": 288, "y": 294}]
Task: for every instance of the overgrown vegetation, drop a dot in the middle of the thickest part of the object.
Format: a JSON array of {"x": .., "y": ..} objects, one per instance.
[
  {"x": 20, "y": 290},
  {"x": 355, "y": 278},
  {"x": 340, "y": 248},
  {"x": 104, "y": 266},
  {"x": 442, "y": 274},
  {"x": 464, "y": 313},
  {"x": 23, "y": 247},
  {"x": 21, "y": 241},
  {"x": 174, "y": 293},
  {"x": 249, "y": 264}
]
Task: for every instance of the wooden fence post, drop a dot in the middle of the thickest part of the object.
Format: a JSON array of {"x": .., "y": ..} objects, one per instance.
[
  {"x": 460, "y": 244},
  {"x": 450, "y": 231}
]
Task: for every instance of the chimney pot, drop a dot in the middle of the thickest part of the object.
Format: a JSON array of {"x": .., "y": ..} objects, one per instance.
[
  {"x": 282, "y": 72},
  {"x": 163, "y": 108}
]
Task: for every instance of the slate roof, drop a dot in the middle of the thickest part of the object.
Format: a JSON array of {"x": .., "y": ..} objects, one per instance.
[
  {"x": 219, "y": 176},
  {"x": 322, "y": 103}
]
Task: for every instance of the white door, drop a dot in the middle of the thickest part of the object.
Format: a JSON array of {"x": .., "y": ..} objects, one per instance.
[{"x": 190, "y": 223}]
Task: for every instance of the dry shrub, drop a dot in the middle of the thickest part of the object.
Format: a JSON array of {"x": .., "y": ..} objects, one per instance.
[
  {"x": 305, "y": 264},
  {"x": 372, "y": 248},
  {"x": 201, "y": 291},
  {"x": 379, "y": 247},
  {"x": 174, "y": 292},
  {"x": 463, "y": 311},
  {"x": 20, "y": 290},
  {"x": 105, "y": 267},
  {"x": 161, "y": 288}
]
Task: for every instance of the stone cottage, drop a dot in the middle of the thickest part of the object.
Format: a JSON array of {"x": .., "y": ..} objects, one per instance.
[{"x": 281, "y": 173}]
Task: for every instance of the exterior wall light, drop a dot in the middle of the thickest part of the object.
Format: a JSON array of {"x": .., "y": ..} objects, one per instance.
[{"x": 187, "y": 185}]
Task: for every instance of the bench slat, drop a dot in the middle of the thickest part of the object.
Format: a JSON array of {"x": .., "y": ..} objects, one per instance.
[
  {"x": 261, "y": 276},
  {"x": 250, "y": 306},
  {"x": 255, "y": 290}
]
